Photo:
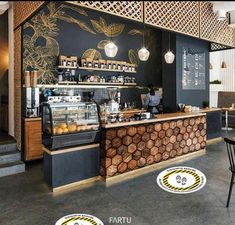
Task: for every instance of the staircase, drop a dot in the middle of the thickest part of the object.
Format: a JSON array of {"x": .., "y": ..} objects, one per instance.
[{"x": 10, "y": 157}]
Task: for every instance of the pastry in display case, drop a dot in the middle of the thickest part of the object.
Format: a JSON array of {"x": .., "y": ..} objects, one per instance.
[{"x": 70, "y": 124}]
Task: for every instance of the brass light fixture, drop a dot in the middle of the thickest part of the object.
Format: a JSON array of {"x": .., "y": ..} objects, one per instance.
[
  {"x": 223, "y": 64},
  {"x": 169, "y": 56},
  {"x": 211, "y": 67},
  {"x": 110, "y": 48},
  {"x": 143, "y": 53}
]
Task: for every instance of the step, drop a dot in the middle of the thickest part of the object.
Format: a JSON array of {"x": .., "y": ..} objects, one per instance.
[
  {"x": 7, "y": 157},
  {"x": 7, "y": 169},
  {"x": 8, "y": 147}
]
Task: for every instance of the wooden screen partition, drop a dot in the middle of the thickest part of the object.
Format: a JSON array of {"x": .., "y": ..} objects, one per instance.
[
  {"x": 17, "y": 85},
  {"x": 178, "y": 16},
  {"x": 127, "y": 9},
  {"x": 218, "y": 47},
  {"x": 213, "y": 30},
  {"x": 24, "y": 9}
]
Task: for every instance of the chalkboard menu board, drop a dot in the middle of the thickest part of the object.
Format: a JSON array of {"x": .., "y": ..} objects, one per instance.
[{"x": 193, "y": 69}]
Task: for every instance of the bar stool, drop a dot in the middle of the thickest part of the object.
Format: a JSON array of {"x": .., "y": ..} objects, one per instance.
[{"x": 231, "y": 155}]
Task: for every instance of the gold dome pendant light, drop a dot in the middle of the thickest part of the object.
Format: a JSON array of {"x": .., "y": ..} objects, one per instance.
[
  {"x": 169, "y": 56},
  {"x": 111, "y": 49},
  {"x": 223, "y": 64},
  {"x": 143, "y": 53}
]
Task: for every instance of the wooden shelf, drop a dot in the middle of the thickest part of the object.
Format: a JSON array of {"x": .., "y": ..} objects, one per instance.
[
  {"x": 87, "y": 84},
  {"x": 68, "y": 67},
  {"x": 107, "y": 84},
  {"x": 95, "y": 69},
  {"x": 105, "y": 70}
]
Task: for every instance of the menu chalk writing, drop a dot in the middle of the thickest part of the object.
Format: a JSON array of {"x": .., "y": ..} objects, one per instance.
[{"x": 193, "y": 69}]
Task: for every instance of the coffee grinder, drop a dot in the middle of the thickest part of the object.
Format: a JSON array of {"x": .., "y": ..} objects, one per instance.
[
  {"x": 112, "y": 94},
  {"x": 31, "y": 102}
]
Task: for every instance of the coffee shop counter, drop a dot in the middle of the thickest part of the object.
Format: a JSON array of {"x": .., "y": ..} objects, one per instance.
[{"x": 128, "y": 146}]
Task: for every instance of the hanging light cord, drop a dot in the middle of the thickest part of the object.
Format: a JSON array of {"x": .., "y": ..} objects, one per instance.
[
  {"x": 111, "y": 28},
  {"x": 143, "y": 25},
  {"x": 169, "y": 41}
]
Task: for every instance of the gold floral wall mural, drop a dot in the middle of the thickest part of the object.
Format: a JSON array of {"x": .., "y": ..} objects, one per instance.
[
  {"x": 61, "y": 28},
  {"x": 44, "y": 26}
]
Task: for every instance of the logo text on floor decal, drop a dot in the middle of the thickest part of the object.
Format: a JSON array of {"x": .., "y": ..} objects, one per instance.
[
  {"x": 79, "y": 219},
  {"x": 181, "y": 180}
]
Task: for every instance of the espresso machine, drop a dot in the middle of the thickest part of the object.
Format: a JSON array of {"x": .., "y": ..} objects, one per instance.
[
  {"x": 32, "y": 102},
  {"x": 113, "y": 94}
]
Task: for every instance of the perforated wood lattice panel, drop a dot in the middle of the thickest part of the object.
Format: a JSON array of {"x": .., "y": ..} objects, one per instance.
[
  {"x": 17, "y": 85},
  {"x": 213, "y": 30},
  {"x": 217, "y": 47},
  {"x": 23, "y": 9},
  {"x": 177, "y": 16},
  {"x": 128, "y": 9}
]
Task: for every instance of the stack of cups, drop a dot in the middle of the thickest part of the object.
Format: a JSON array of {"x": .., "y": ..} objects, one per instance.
[{"x": 31, "y": 78}]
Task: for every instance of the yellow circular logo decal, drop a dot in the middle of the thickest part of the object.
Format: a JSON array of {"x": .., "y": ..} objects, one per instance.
[
  {"x": 181, "y": 180},
  {"x": 79, "y": 219}
]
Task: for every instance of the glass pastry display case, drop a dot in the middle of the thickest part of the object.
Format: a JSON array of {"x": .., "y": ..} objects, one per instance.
[{"x": 67, "y": 124}]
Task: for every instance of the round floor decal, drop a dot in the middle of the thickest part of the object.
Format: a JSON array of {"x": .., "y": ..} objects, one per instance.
[
  {"x": 79, "y": 219},
  {"x": 181, "y": 180}
]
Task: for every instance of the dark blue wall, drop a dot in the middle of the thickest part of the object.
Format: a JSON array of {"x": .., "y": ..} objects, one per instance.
[
  {"x": 191, "y": 97},
  {"x": 173, "y": 92}
]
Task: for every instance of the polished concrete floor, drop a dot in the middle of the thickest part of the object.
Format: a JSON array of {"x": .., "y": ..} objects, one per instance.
[{"x": 26, "y": 200}]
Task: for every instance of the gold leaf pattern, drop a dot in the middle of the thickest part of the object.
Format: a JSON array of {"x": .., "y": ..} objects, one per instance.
[
  {"x": 103, "y": 23},
  {"x": 98, "y": 28},
  {"x": 133, "y": 57},
  {"x": 102, "y": 43},
  {"x": 114, "y": 29},
  {"x": 79, "y": 10},
  {"x": 135, "y": 32},
  {"x": 78, "y": 22},
  {"x": 91, "y": 53},
  {"x": 52, "y": 46}
]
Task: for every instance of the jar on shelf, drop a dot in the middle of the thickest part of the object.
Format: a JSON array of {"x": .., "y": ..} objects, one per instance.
[
  {"x": 96, "y": 63},
  {"x": 83, "y": 63},
  {"x": 114, "y": 65},
  {"x": 123, "y": 66},
  {"x": 89, "y": 62},
  {"x": 109, "y": 64},
  {"x": 119, "y": 65},
  {"x": 102, "y": 64},
  {"x": 133, "y": 67}
]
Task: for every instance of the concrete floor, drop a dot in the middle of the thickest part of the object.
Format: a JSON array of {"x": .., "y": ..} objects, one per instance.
[{"x": 26, "y": 200}]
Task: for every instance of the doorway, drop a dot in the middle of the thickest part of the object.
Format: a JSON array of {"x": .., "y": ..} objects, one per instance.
[{"x": 4, "y": 64}]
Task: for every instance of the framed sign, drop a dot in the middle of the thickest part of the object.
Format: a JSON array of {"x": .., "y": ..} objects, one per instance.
[{"x": 193, "y": 69}]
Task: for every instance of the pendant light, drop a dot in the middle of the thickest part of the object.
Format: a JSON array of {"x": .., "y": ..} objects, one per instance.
[
  {"x": 223, "y": 64},
  {"x": 211, "y": 67},
  {"x": 143, "y": 53},
  {"x": 169, "y": 56},
  {"x": 111, "y": 49}
]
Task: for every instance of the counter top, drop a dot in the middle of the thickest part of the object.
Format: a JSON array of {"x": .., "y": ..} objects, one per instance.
[
  {"x": 159, "y": 118},
  {"x": 27, "y": 119},
  {"x": 209, "y": 110}
]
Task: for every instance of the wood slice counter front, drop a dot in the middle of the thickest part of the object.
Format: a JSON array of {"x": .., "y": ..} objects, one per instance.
[{"x": 129, "y": 146}]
